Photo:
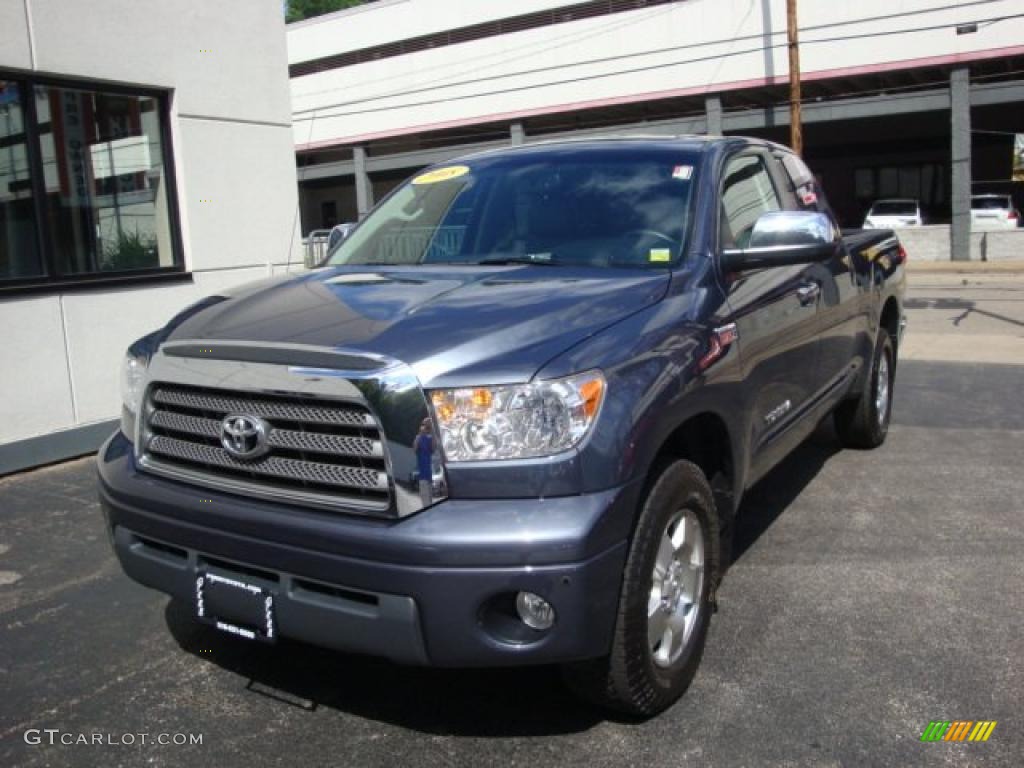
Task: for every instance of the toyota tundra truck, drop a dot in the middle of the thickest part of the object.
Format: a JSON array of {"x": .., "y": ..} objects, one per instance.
[{"x": 510, "y": 421}]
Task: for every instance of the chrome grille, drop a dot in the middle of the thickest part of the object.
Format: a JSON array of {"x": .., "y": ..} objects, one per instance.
[
  {"x": 312, "y": 442},
  {"x": 259, "y": 406},
  {"x": 320, "y": 452}
]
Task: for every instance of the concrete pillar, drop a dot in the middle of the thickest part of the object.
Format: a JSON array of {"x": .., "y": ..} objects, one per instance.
[
  {"x": 960, "y": 163},
  {"x": 364, "y": 190},
  {"x": 713, "y": 108},
  {"x": 516, "y": 134}
]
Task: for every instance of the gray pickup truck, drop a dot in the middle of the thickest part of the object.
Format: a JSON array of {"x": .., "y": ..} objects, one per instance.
[{"x": 511, "y": 420}]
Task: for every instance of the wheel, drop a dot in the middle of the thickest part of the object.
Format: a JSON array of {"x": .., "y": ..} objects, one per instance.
[
  {"x": 665, "y": 601},
  {"x": 864, "y": 422}
]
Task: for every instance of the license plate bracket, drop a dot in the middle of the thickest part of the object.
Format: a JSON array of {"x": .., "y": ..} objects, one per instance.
[{"x": 235, "y": 606}]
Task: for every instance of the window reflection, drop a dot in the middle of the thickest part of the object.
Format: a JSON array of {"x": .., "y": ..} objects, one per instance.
[
  {"x": 83, "y": 186},
  {"x": 106, "y": 200},
  {"x": 19, "y": 247},
  {"x": 584, "y": 208}
]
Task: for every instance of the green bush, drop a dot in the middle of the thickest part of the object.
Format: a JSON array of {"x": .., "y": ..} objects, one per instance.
[{"x": 130, "y": 251}]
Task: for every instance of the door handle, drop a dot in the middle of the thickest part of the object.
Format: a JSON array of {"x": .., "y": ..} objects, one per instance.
[{"x": 808, "y": 293}]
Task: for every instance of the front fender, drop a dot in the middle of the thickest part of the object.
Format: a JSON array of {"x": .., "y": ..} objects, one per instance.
[{"x": 655, "y": 384}]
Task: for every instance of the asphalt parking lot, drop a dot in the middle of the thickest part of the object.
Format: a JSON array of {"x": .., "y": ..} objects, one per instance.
[{"x": 873, "y": 592}]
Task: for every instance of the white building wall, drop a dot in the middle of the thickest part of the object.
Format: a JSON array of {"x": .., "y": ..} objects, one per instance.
[
  {"x": 225, "y": 63},
  {"x": 718, "y": 45}
]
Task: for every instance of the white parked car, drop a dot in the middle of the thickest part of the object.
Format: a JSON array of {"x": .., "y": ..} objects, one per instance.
[
  {"x": 993, "y": 212},
  {"x": 892, "y": 214}
]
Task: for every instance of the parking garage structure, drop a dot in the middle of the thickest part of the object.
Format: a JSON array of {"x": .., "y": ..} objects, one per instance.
[{"x": 918, "y": 102}]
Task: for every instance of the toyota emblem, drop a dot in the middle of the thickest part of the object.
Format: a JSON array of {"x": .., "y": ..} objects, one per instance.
[{"x": 244, "y": 436}]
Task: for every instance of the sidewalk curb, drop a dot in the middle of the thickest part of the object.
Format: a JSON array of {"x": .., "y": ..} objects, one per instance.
[{"x": 963, "y": 267}]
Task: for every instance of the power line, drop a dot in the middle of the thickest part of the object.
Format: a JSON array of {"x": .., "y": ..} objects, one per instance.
[
  {"x": 620, "y": 57},
  {"x": 635, "y": 70},
  {"x": 574, "y": 36}
]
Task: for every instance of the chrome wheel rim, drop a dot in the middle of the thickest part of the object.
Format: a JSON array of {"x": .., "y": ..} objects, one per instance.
[
  {"x": 882, "y": 390},
  {"x": 674, "y": 606}
]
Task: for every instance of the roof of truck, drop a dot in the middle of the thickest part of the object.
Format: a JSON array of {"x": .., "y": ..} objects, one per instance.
[{"x": 657, "y": 142}]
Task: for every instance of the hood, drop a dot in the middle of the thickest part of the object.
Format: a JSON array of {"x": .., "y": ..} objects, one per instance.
[{"x": 454, "y": 325}]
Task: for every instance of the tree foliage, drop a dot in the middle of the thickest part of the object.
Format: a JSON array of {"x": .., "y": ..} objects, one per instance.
[{"x": 297, "y": 10}]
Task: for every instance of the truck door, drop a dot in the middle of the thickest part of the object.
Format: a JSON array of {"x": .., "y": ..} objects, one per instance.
[
  {"x": 842, "y": 316},
  {"x": 775, "y": 311}
]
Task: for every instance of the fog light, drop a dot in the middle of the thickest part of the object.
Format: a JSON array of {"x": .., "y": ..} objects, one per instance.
[{"x": 535, "y": 611}]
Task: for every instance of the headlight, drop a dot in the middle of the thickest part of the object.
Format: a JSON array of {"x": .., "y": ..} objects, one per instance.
[
  {"x": 516, "y": 422},
  {"x": 133, "y": 380}
]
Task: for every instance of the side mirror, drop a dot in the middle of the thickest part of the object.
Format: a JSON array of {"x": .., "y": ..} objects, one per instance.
[{"x": 780, "y": 238}]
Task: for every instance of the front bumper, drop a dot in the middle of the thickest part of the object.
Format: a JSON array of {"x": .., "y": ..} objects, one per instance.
[{"x": 421, "y": 590}]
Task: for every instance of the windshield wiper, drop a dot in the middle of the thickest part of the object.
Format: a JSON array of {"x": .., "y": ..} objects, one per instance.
[
  {"x": 501, "y": 260},
  {"x": 371, "y": 264}
]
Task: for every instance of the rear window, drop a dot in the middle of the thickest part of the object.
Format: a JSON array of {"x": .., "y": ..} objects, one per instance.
[
  {"x": 894, "y": 208},
  {"x": 990, "y": 203}
]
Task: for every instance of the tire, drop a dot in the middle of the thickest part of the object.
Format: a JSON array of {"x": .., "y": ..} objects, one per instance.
[
  {"x": 864, "y": 422},
  {"x": 638, "y": 677}
]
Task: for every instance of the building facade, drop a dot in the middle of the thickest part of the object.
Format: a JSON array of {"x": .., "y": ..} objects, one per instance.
[
  {"x": 146, "y": 161},
  {"x": 901, "y": 98}
]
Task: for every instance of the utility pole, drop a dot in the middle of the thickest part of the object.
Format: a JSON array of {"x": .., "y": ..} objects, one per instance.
[{"x": 796, "y": 132}]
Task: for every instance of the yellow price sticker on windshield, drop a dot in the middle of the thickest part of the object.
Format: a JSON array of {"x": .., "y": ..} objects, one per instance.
[
  {"x": 660, "y": 254},
  {"x": 441, "y": 174}
]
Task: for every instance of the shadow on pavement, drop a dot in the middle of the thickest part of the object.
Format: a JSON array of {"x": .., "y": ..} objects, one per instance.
[
  {"x": 529, "y": 701},
  {"x": 773, "y": 494},
  {"x": 965, "y": 305}
]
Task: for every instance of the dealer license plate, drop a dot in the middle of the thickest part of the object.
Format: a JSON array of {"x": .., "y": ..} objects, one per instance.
[{"x": 234, "y": 606}]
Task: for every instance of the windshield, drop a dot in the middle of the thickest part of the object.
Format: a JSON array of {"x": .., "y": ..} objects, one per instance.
[
  {"x": 993, "y": 203},
  {"x": 604, "y": 208},
  {"x": 894, "y": 208}
]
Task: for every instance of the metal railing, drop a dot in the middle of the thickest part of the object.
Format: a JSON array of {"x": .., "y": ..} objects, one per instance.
[
  {"x": 314, "y": 247},
  {"x": 409, "y": 245}
]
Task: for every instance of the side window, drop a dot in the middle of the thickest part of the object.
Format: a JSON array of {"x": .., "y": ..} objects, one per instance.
[
  {"x": 798, "y": 172},
  {"x": 805, "y": 186},
  {"x": 747, "y": 192}
]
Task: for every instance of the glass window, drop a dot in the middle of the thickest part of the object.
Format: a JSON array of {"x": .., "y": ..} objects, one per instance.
[
  {"x": 575, "y": 207},
  {"x": 991, "y": 202},
  {"x": 19, "y": 241},
  {"x": 92, "y": 164},
  {"x": 747, "y": 192},
  {"x": 798, "y": 172},
  {"x": 895, "y": 208}
]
